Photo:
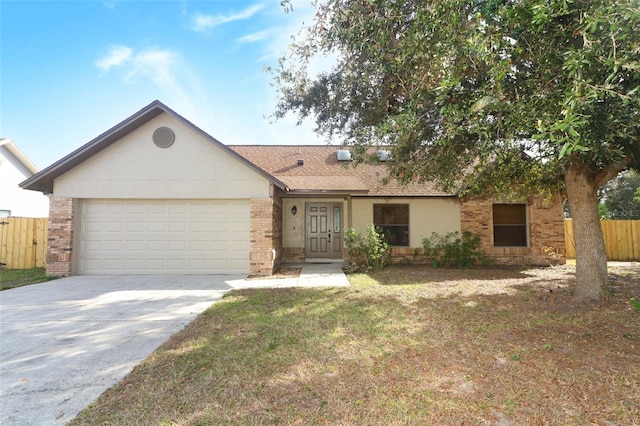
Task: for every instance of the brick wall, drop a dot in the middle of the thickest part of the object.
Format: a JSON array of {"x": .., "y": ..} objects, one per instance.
[
  {"x": 276, "y": 220},
  {"x": 60, "y": 240},
  {"x": 407, "y": 255},
  {"x": 293, "y": 254},
  {"x": 545, "y": 230},
  {"x": 266, "y": 233}
]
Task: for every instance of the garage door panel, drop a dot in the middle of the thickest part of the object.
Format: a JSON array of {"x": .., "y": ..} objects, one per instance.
[
  {"x": 155, "y": 245},
  {"x": 112, "y": 226},
  {"x": 119, "y": 208},
  {"x": 156, "y": 226},
  {"x": 199, "y": 226},
  {"x": 164, "y": 236},
  {"x": 157, "y": 208},
  {"x": 110, "y": 246},
  {"x": 92, "y": 226}
]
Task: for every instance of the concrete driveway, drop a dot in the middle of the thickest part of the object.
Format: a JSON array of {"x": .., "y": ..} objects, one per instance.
[{"x": 63, "y": 343}]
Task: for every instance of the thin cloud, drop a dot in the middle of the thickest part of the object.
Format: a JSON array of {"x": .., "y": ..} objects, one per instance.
[
  {"x": 205, "y": 23},
  {"x": 153, "y": 63},
  {"x": 115, "y": 57},
  {"x": 254, "y": 37}
]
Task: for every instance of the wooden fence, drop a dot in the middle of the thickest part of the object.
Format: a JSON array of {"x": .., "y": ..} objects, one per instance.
[
  {"x": 621, "y": 237},
  {"x": 23, "y": 242}
]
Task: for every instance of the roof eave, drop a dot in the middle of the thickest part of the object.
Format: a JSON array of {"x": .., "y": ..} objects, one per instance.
[
  {"x": 19, "y": 155},
  {"x": 328, "y": 192}
]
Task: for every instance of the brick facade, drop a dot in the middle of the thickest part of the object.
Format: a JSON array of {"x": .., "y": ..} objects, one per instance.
[
  {"x": 266, "y": 233},
  {"x": 293, "y": 254},
  {"x": 545, "y": 231},
  {"x": 60, "y": 240}
]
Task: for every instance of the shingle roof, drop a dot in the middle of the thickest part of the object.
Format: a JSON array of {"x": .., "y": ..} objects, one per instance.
[{"x": 322, "y": 172}]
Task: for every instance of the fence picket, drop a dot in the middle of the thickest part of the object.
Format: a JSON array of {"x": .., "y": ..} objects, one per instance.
[
  {"x": 621, "y": 238},
  {"x": 23, "y": 242}
]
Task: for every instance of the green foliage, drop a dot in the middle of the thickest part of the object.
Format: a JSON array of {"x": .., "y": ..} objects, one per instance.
[
  {"x": 618, "y": 197},
  {"x": 372, "y": 249},
  {"x": 453, "y": 250},
  {"x": 603, "y": 211},
  {"x": 635, "y": 303},
  {"x": 511, "y": 92}
]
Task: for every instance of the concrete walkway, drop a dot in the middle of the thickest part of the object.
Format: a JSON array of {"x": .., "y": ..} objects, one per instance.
[
  {"x": 64, "y": 342},
  {"x": 312, "y": 275}
]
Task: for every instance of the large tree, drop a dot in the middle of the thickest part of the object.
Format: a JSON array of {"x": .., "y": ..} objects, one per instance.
[{"x": 481, "y": 96}]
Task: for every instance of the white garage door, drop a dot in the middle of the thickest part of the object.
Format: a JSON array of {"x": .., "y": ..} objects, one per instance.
[{"x": 164, "y": 237}]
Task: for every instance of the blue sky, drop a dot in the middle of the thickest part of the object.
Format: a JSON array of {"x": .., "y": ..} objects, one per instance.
[{"x": 70, "y": 70}]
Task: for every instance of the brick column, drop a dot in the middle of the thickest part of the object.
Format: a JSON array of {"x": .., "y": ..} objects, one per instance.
[
  {"x": 276, "y": 220},
  {"x": 60, "y": 240},
  {"x": 476, "y": 217},
  {"x": 546, "y": 225},
  {"x": 265, "y": 234}
]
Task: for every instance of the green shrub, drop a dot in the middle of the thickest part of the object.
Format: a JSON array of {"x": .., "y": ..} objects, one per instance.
[
  {"x": 372, "y": 249},
  {"x": 453, "y": 250}
]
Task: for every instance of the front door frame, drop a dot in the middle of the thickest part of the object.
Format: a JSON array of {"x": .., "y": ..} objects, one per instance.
[{"x": 329, "y": 233}]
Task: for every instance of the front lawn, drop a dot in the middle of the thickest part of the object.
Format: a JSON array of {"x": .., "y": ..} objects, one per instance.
[
  {"x": 10, "y": 278},
  {"x": 402, "y": 346}
]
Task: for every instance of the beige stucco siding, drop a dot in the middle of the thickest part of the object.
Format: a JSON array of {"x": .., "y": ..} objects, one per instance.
[
  {"x": 134, "y": 167},
  {"x": 441, "y": 215}
]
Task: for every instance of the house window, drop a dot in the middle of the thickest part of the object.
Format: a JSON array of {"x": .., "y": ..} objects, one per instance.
[
  {"x": 509, "y": 225},
  {"x": 393, "y": 220}
]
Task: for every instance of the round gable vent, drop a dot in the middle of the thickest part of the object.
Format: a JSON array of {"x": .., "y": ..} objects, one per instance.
[{"x": 163, "y": 137}]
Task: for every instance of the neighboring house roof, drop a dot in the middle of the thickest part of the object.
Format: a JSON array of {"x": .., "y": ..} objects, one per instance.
[
  {"x": 43, "y": 181},
  {"x": 14, "y": 168},
  {"x": 321, "y": 172},
  {"x": 19, "y": 155}
]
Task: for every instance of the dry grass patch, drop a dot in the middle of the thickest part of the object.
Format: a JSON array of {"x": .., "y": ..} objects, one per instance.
[{"x": 402, "y": 346}]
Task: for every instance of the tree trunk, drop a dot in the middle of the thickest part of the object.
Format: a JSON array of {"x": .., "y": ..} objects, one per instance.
[{"x": 591, "y": 254}]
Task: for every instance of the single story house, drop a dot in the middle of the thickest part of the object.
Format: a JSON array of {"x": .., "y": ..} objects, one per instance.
[
  {"x": 157, "y": 195},
  {"x": 14, "y": 168}
]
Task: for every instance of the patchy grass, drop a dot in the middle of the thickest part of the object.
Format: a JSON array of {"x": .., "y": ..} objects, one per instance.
[
  {"x": 402, "y": 346},
  {"x": 11, "y": 278}
]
